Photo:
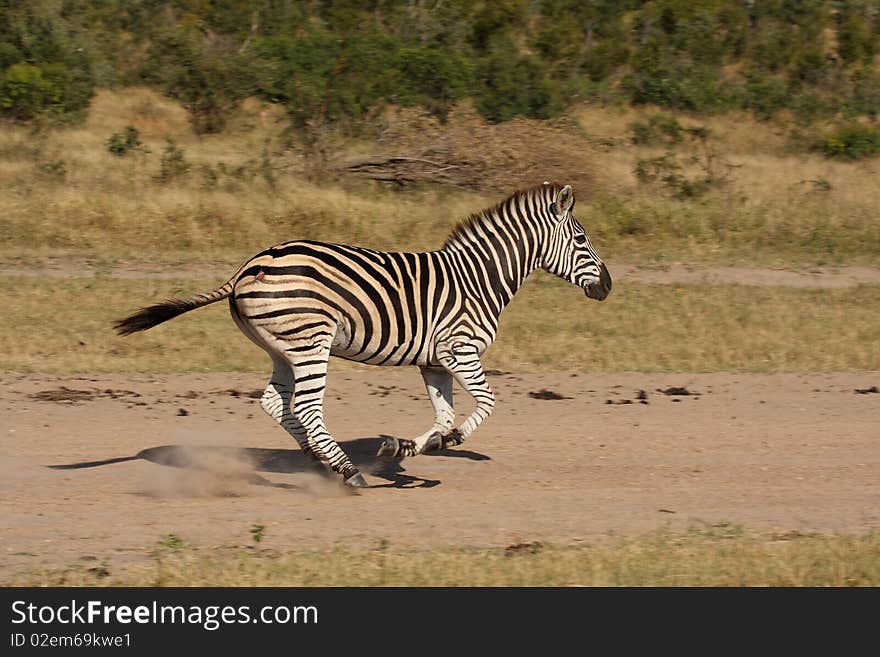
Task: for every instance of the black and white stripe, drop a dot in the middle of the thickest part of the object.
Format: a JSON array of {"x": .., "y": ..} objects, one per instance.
[{"x": 305, "y": 301}]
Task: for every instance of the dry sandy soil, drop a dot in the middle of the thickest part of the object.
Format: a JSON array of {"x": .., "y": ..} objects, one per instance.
[{"x": 106, "y": 465}]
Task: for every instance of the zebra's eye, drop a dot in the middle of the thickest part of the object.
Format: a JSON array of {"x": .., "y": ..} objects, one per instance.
[{"x": 580, "y": 239}]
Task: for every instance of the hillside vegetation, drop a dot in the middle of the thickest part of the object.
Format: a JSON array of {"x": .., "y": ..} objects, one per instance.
[
  {"x": 339, "y": 62},
  {"x": 697, "y": 131}
]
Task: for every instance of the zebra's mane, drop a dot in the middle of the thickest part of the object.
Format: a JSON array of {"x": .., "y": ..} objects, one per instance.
[{"x": 490, "y": 216}]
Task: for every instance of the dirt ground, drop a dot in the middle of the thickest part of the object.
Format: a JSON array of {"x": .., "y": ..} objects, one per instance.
[{"x": 104, "y": 466}]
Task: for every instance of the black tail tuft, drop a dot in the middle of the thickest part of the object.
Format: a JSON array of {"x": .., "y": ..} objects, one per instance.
[{"x": 150, "y": 316}]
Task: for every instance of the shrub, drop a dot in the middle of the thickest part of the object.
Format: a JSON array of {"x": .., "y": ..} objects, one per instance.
[
  {"x": 513, "y": 85},
  {"x": 9, "y": 55},
  {"x": 322, "y": 77},
  {"x": 55, "y": 169},
  {"x": 603, "y": 58},
  {"x": 433, "y": 78},
  {"x": 45, "y": 65},
  {"x": 207, "y": 76},
  {"x": 173, "y": 163},
  {"x": 25, "y": 91},
  {"x": 122, "y": 142},
  {"x": 855, "y": 41},
  {"x": 851, "y": 142},
  {"x": 337, "y": 63},
  {"x": 658, "y": 129},
  {"x": 666, "y": 170},
  {"x": 764, "y": 95},
  {"x": 866, "y": 92},
  {"x": 661, "y": 77},
  {"x": 492, "y": 19}
]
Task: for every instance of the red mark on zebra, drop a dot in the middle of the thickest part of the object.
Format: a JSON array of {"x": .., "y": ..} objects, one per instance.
[{"x": 260, "y": 275}]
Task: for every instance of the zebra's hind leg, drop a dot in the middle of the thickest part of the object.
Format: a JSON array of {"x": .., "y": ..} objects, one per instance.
[
  {"x": 276, "y": 402},
  {"x": 309, "y": 365}
]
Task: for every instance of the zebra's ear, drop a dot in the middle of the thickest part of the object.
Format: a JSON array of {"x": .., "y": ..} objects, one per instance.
[{"x": 564, "y": 201}]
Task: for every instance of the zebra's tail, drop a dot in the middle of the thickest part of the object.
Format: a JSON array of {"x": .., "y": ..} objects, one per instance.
[{"x": 148, "y": 317}]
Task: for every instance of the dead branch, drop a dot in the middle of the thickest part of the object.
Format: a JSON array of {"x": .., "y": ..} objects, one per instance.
[{"x": 408, "y": 169}]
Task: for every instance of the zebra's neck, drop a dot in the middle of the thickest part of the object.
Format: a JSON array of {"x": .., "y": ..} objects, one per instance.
[{"x": 497, "y": 251}]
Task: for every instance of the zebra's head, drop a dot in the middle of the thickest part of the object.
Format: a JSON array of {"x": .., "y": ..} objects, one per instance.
[{"x": 568, "y": 253}]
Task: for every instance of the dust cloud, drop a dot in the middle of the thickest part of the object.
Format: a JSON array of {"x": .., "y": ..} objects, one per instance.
[{"x": 199, "y": 466}]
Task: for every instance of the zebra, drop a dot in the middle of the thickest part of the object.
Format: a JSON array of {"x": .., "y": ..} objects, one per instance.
[{"x": 304, "y": 301}]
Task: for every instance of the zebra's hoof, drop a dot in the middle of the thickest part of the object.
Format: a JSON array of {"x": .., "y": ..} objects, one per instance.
[
  {"x": 452, "y": 439},
  {"x": 357, "y": 481},
  {"x": 390, "y": 447},
  {"x": 434, "y": 443}
]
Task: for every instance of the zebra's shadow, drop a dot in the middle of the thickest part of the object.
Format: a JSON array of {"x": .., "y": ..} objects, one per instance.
[{"x": 362, "y": 452}]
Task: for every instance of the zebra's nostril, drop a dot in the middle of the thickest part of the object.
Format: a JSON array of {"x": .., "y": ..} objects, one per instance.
[{"x": 601, "y": 288}]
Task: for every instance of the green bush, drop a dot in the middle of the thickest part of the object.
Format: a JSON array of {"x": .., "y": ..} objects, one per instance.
[
  {"x": 9, "y": 55},
  {"x": 866, "y": 92},
  {"x": 173, "y": 163},
  {"x": 45, "y": 63},
  {"x": 121, "y": 143},
  {"x": 433, "y": 78},
  {"x": 54, "y": 169},
  {"x": 771, "y": 44},
  {"x": 25, "y": 91},
  {"x": 207, "y": 76},
  {"x": 336, "y": 63},
  {"x": 323, "y": 77},
  {"x": 662, "y": 76},
  {"x": 600, "y": 60},
  {"x": 658, "y": 129},
  {"x": 512, "y": 85},
  {"x": 493, "y": 19},
  {"x": 851, "y": 142},
  {"x": 764, "y": 95},
  {"x": 856, "y": 41},
  {"x": 667, "y": 171}
]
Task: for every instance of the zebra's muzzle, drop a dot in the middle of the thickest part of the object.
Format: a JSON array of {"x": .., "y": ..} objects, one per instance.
[{"x": 601, "y": 289}]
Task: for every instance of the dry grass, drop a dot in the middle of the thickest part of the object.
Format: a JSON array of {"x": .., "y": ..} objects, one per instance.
[
  {"x": 63, "y": 192},
  {"x": 172, "y": 223},
  {"x": 691, "y": 328},
  {"x": 113, "y": 207},
  {"x": 719, "y": 555},
  {"x": 776, "y": 205},
  {"x": 550, "y": 325}
]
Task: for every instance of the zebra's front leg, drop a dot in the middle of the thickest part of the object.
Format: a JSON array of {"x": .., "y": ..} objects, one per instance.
[
  {"x": 466, "y": 368},
  {"x": 438, "y": 383}
]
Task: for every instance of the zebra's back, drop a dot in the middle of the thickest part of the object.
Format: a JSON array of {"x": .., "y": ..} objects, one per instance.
[{"x": 383, "y": 308}]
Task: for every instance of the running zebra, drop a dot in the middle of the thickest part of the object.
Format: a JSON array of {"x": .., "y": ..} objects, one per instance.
[{"x": 305, "y": 301}]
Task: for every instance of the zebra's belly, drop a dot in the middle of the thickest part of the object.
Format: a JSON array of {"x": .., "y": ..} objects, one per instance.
[{"x": 393, "y": 351}]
